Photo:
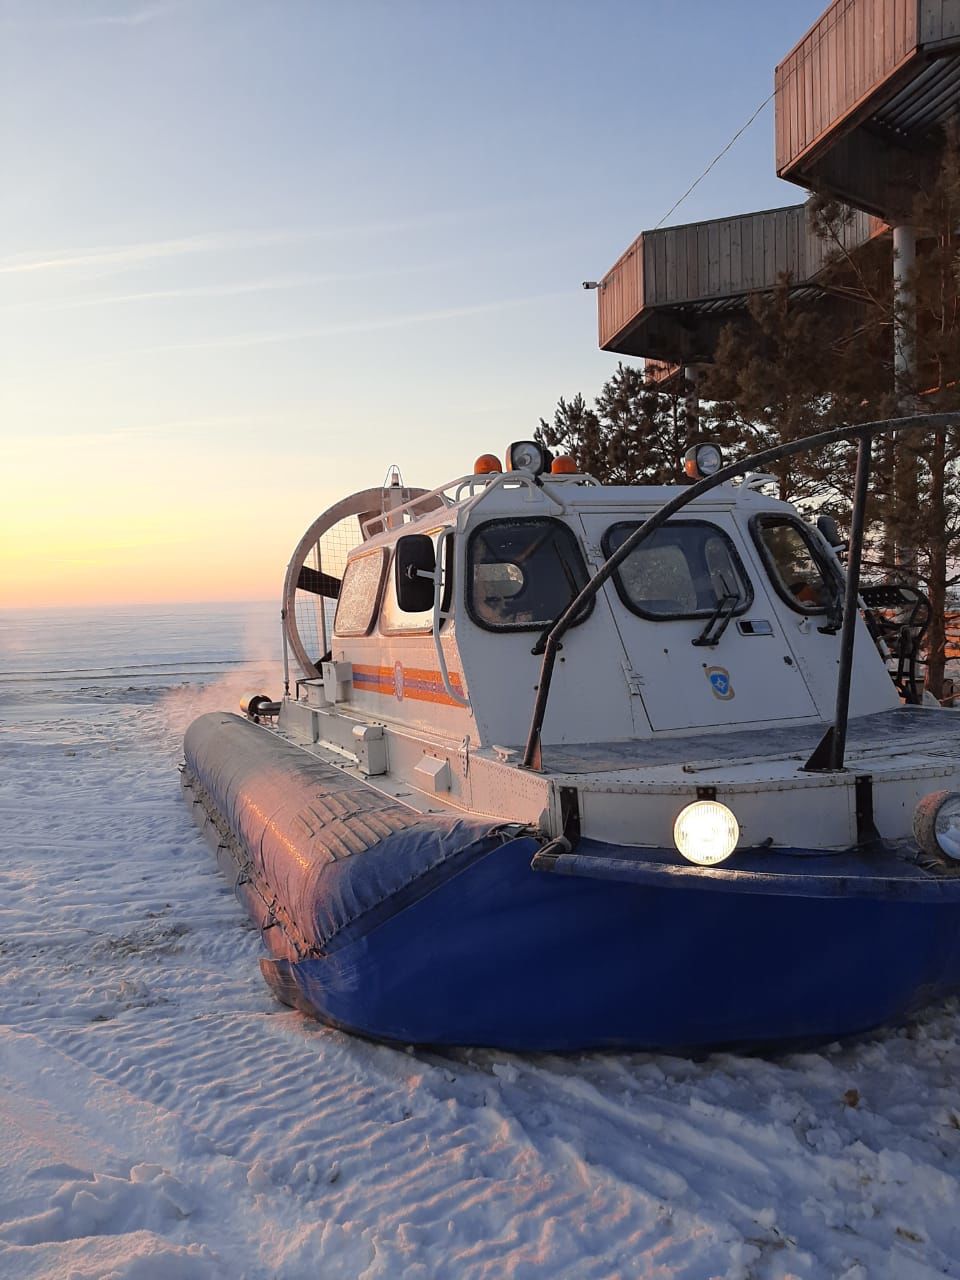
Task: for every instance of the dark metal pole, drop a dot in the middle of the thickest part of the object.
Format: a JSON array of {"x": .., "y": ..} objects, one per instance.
[{"x": 850, "y": 603}]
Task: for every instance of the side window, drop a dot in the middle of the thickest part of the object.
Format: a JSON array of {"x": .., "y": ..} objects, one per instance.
[
  {"x": 796, "y": 569},
  {"x": 685, "y": 569},
  {"x": 522, "y": 574},
  {"x": 360, "y": 593},
  {"x": 392, "y": 617}
]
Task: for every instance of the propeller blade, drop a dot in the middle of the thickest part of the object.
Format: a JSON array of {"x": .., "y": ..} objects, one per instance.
[{"x": 321, "y": 584}]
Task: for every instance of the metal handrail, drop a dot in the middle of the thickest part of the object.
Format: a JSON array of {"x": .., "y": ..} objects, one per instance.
[
  {"x": 441, "y": 568},
  {"x": 480, "y": 486},
  {"x": 832, "y": 747},
  {"x": 408, "y": 508}
]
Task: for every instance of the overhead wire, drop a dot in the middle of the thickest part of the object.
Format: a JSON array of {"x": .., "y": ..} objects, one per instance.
[
  {"x": 743, "y": 128},
  {"x": 718, "y": 156}
]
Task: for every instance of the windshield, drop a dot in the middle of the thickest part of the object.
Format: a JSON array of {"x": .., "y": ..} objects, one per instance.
[
  {"x": 523, "y": 573},
  {"x": 684, "y": 569},
  {"x": 795, "y": 567}
]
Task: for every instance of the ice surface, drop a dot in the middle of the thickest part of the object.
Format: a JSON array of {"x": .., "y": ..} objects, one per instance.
[{"x": 161, "y": 1118}]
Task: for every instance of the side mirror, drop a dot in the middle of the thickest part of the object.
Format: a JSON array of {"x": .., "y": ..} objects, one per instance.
[
  {"x": 414, "y": 570},
  {"x": 828, "y": 527}
]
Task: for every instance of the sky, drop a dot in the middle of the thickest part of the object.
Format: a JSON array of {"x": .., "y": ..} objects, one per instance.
[{"x": 253, "y": 252}]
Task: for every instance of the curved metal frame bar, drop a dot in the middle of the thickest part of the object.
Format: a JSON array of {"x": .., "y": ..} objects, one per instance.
[
  {"x": 439, "y": 574},
  {"x": 829, "y": 754},
  {"x": 354, "y": 505}
]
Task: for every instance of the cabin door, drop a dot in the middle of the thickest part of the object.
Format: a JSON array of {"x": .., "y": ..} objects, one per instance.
[{"x": 703, "y": 642}]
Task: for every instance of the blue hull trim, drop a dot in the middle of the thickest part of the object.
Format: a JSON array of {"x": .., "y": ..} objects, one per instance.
[
  {"x": 504, "y": 957},
  {"x": 881, "y": 870},
  {"x": 437, "y": 931}
]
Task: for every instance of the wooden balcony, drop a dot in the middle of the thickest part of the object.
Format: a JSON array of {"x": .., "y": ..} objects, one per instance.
[
  {"x": 670, "y": 294},
  {"x": 861, "y": 99}
]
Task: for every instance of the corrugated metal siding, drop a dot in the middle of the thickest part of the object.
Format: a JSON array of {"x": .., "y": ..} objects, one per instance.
[
  {"x": 926, "y": 101},
  {"x": 854, "y": 47}
]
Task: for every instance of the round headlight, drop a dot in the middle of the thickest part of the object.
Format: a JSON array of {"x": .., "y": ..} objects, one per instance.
[
  {"x": 702, "y": 460},
  {"x": 527, "y": 455},
  {"x": 936, "y": 824},
  {"x": 706, "y": 832}
]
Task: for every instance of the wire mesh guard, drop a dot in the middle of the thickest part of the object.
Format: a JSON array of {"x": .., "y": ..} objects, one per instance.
[
  {"x": 318, "y": 586},
  {"x": 312, "y": 584}
]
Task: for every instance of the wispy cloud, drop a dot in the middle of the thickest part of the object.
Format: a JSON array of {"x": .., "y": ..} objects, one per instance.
[
  {"x": 270, "y": 284},
  {"x": 117, "y": 18},
  {"x": 198, "y": 291},
  {"x": 132, "y": 255},
  {"x": 14, "y": 445},
  {"x": 135, "y": 18},
  {"x": 364, "y": 326},
  {"x": 122, "y": 256}
]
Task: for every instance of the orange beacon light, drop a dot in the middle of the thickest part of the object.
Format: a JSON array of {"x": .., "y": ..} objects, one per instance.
[
  {"x": 563, "y": 465},
  {"x": 487, "y": 464}
]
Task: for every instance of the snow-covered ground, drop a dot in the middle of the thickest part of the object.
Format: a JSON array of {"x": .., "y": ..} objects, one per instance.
[{"x": 161, "y": 1116}]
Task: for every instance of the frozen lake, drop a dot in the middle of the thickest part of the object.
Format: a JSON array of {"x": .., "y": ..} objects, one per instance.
[{"x": 161, "y": 1117}]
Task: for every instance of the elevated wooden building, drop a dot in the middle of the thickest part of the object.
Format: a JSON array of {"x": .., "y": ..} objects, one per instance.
[
  {"x": 860, "y": 106},
  {"x": 861, "y": 100},
  {"x": 670, "y": 294}
]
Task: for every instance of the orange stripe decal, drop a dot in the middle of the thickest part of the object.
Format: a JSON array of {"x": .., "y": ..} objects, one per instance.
[{"x": 419, "y": 684}]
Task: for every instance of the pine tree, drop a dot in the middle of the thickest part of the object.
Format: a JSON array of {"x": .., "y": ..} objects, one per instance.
[
  {"x": 794, "y": 366},
  {"x": 767, "y": 387},
  {"x": 636, "y": 432},
  {"x": 798, "y": 367},
  {"x": 931, "y": 524}
]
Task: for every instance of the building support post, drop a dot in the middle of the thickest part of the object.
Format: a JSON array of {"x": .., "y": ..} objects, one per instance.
[
  {"x": 904, "y": 320},
  {"x": 691, "y": 403},
  {"x": 904, "y": 468}
]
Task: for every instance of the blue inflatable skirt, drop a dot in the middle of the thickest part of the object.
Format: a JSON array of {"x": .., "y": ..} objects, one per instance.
[{"x": 437, "y": 930}]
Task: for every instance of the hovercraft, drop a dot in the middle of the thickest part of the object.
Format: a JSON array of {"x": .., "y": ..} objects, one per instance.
[{"x": 569, "y": 765}]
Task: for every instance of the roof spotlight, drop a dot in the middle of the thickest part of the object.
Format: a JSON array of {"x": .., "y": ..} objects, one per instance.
[
  {"x": 936, "y": 824},
  {"x": 527, "y": 455},
  {"x": 702, "y": 460}
]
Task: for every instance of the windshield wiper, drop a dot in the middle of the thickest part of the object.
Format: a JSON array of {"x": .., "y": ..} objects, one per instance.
[
  {"x": 575, "y": 588},
  {"x": 834, "y": 611},
  {"x": 719, "y": 620}
]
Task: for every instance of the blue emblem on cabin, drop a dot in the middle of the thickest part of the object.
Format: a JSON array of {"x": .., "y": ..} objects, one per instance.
[{"x": 719, "y": 678}]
